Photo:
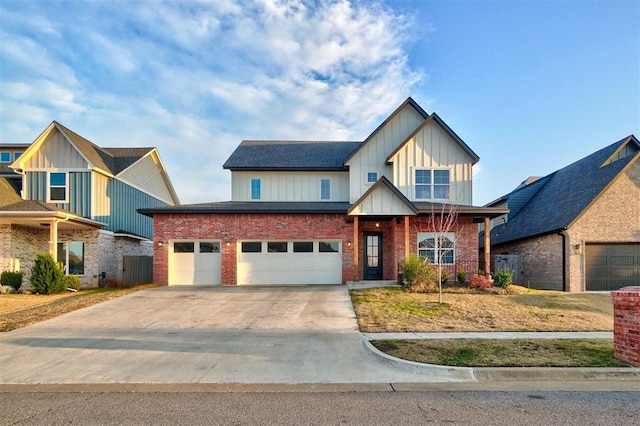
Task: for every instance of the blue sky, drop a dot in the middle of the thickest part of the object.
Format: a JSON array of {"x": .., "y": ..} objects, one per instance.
[{"x": 531, "y": 86}]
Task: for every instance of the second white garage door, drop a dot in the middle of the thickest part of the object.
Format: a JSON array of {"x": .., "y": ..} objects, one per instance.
[
  {"x": 194, "y": 262},
  {"x": 289, "y": 262}
]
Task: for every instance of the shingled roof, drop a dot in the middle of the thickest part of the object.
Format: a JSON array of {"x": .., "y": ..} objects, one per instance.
[
  {"x": 254, "y": 207},
  {"x": 112, "y": 160},
  {"x": 290, "y": 155},
  {"x": 550, "y": 204}
]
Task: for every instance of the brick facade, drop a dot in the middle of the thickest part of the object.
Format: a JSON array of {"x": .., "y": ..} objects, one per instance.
[
  {"x": 231, "y": 228},
  {"x": 626, "y": 324},
  {"x": 611, "y": 218}
]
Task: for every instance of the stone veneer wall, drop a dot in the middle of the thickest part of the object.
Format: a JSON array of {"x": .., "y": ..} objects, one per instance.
[
  {"x": 541, "y": 259},
  {"x": 6, "y": 263},
  {"x": 626, "y": 324},
  {"x": 612, "y": 218},
  {"x": 25, "y": 243}
]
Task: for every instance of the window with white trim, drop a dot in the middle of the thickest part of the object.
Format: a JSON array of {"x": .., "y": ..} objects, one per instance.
[
  {"x": 325, "y": 189},
  {"x": 71, "y": 256},
  {"x": 16, "y": 154},
  {"x": 431, "y": 184},
  {"x": 5, "y": 157},
  {"x": 57, "y": 190},
  {"x": 437, "y": 247},
  {"x": 372, "y": 177},
  {"x": 255, "y": 189}
]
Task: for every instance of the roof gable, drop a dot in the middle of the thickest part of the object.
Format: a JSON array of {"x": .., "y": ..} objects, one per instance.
[
  {"x": 383, "y": 199},
  {"x": 408, "y": 102},
  {"x": 435, "y": 119},
  {"x": 290, "y": 155},
  {"x": 558, "y": 199}
]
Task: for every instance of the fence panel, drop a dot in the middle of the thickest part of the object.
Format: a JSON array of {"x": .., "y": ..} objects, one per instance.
[{"x": 137, "y": 270}]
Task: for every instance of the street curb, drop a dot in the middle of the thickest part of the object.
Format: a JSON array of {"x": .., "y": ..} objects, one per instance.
[
  {"x": 556, "y": 373},
  {"x": 439, "y": 373},
  {"x": 443, "y": 373}
]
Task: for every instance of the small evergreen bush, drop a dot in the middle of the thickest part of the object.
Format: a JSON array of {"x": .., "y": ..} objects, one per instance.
[
  {"x": 503, "y": 279},
  {"x": 418, "y": 275},
  {"x": 12, "y": 279},
  {"x": 462, "y": 276},
  {"x": 73, "y": 281},
  {"x": 47, "y": 276},
  {"x": 479, "y": 281}
]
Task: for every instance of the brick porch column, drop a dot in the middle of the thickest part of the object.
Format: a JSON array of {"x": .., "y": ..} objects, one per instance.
[{"x": 626, "y": 324}]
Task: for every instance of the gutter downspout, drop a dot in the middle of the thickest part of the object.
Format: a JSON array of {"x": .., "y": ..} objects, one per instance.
[{"x": 563, "y": 234}]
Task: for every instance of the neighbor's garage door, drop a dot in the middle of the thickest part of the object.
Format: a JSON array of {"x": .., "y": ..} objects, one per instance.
[
  {"x": 194, "y": 262},
  {"x": 612, "y": 266},
  {"x": 289, "y": 262}
]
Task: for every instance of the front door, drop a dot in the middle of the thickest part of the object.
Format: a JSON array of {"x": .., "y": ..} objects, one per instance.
[{"x": 373, "y": 256}]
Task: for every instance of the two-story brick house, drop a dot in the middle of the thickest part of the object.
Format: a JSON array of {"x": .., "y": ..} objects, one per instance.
[
  {"x": 317, "y": 212},
  {"x": 66, "y": 196}
]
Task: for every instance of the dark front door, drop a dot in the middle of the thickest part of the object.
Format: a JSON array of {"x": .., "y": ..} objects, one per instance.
[{"x": 373, "y": 256}]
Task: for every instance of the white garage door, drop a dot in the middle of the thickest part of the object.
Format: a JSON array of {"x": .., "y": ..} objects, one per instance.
[
  {"x": 194, "y": 262},
  {"x": 289, "y": 262}
]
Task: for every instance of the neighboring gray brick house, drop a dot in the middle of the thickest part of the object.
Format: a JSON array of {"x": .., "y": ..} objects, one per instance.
[{"x": 578, "y": 228}]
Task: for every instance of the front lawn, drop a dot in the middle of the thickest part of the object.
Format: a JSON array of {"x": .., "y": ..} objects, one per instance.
[{"x": 390, "y": 309}]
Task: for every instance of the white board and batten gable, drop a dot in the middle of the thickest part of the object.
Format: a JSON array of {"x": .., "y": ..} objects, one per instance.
[
  {"x": 149, "y": 175},
  {"x": 382, "y": 199},
  {"x": 372, "y": 155},
  {"x": 50, "y": 151}
]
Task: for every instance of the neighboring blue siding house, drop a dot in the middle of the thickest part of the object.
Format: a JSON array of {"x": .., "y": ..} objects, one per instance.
[{"x": 80, "y": 204}]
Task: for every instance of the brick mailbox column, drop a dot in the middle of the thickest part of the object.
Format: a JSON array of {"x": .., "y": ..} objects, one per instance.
[{"x": 626, "y": 324}]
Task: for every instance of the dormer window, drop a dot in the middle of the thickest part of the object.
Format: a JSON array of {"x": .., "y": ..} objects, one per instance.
[
  {"x": 431, "y": 184},
  {"x": 57, "y": 187}
]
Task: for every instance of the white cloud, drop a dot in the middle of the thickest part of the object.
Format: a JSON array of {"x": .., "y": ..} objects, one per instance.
[{"x": 195, "y": 78}]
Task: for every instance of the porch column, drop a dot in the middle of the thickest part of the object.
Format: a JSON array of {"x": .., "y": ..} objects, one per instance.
[
  {"x": 356, "y": 251},
  {"x": 406, "y": 237},
  {"x": 487, "y": 247},
  {"x": 53, "y": 239}
]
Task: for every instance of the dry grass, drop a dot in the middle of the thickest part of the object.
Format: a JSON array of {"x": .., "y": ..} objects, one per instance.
[
  {"x": 393, "y": 310},
  {"x": 21, "y": 310},
  {"x": 505, "y": 353}
]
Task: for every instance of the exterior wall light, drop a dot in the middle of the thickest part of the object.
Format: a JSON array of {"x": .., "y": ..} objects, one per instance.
[{"x": 160, "y": 244}]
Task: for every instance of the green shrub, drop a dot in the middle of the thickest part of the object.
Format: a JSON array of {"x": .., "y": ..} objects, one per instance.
[
  {"x": 73, "y": 281},
  {"x": 13, "y": 279},
  {"x": 47, "y": 276},
  {"x": 418, "y": 275},
  {"x": 462, "y": 276},
  {"x": 502, "y": 279}
]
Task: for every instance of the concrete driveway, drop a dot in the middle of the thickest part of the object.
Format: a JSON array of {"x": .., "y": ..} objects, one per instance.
[{"x": 305, "y": 334}]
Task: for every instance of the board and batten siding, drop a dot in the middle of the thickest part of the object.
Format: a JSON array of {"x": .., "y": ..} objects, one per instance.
[
  {"x": 381, "y": 201},
  {"x": 55, "y": 153},
  {"x": 289, "y": 186},
  {"x": 123, "y": 201},
  {"x": 78, "y": 191},
  {"x": 433, "y": 148},
  {"x": 146, "y": 175},
  {"x": 372, "y": 156}
]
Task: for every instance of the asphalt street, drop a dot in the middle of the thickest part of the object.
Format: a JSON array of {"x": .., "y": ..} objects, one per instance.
[{"x": 321, "y": 408}]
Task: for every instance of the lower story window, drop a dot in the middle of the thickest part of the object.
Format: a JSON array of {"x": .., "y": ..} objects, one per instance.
[
  {"x": 437, "y": 247},
  {"x": 71, "y": 255}
]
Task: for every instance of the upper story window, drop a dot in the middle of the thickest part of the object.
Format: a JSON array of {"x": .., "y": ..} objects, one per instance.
[
  {"x": 372, "y": 177},
  {"x": 325, "y": 189},
  {"x": 57, "y": 187},
  {"x": 431, "y": 184},
  {"x": 16, "y": 155},
  {"x": 5, "y": 157},
  {"x": 255, "y": 189}
]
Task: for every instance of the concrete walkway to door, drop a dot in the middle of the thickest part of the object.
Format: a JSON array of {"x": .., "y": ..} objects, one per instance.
[{"x": 301, "y": 334}]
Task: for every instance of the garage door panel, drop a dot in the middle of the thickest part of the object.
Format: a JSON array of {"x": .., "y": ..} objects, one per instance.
[
  {"x": 195, "y": 263},
  {"x": 296, "y": 265},
  {"x": 612, "y": 266}
]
